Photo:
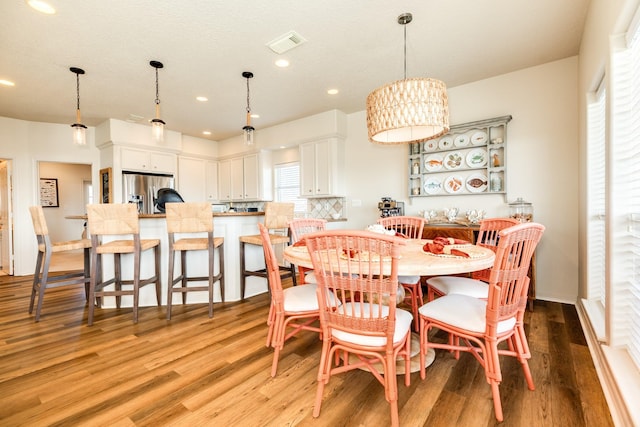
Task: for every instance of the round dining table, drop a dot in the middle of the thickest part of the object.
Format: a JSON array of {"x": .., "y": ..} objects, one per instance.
[{"x": 414, "y": 261}]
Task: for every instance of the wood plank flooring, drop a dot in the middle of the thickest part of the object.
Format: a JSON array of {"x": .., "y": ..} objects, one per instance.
[{"x": 196, "y": 371}]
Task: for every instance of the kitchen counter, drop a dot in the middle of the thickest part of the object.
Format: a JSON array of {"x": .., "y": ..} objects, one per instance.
[
  {"x": 161, "y": 215},
  {"x": 229, "y": 225}
]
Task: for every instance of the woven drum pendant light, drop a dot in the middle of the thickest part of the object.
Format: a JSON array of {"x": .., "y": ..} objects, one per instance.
[{"x": 408, "y": 110}]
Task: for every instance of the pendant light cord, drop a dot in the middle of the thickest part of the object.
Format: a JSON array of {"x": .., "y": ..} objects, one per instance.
[
  {"x": 77, "y": 91},
  {"x": 405, "y": 51},
  {"x": 157, "y": 90},
  {"x": 248, "y": 105}
]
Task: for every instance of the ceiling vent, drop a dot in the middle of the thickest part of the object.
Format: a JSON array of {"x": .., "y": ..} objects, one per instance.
[{"x": 286, "y": 42}]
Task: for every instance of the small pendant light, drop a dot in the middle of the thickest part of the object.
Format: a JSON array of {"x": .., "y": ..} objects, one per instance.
[
  {"x": 157, "y": 124},
  {"x": 79, "y": 130},
  {"x": 248, "y": 129}
]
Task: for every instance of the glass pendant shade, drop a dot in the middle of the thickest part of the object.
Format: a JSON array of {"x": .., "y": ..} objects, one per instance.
[
  {"x": 248, "y": 135},
  {"x": 79, "y": 134}
]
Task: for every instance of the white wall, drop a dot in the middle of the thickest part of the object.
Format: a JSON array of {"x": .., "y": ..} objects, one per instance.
[
  {"x": 25, "y": 144},
  {"x": 70, "y": 178},
  {"x": 542, "y": 163}
]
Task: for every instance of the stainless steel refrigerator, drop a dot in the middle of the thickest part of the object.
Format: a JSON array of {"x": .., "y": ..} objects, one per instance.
[{"x": 142, "y": 189}]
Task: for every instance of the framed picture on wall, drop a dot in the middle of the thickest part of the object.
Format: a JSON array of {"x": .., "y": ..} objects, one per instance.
[
  {"x": 106, "y": 190},
  {"x": 49, "y": 193}
]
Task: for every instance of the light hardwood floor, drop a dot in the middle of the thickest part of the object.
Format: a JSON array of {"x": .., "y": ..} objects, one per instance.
[{"x": 196, "y": 371}]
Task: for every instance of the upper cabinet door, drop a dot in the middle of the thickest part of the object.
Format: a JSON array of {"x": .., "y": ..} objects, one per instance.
[
  {"x": 211, "y": 183},
  {"x": 307, "y": 170},
  {"x": 251, "y": 177},
  {"x": 321, "y": 165},
  {"x": 191, "y": 179},
  {"x": 148, "y": 161},
  {"x": 224, "y": 180},
  {"x": 237, "y": 179}
]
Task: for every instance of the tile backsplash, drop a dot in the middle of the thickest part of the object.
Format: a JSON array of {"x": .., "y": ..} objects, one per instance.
[{"x": 316, "y": 207}]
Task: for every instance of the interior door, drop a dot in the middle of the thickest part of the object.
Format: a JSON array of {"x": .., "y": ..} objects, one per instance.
[{"x": 6, "y": 222}]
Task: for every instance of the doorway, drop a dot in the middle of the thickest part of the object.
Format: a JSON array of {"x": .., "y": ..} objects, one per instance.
[{"x": 6, "y": 219}]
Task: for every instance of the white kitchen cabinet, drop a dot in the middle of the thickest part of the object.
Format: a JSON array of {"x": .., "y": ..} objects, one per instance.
[
  {"x": 197, "y": 179},
  {"x": 321, "y": 166},
  {"x": 132, "y": 159},
  {"x": 237, "y": 179},
  {"x": 245, "y": 178},
  {"x": 211, "y": 180},
  {"x": 224, "y": 180},
  {"x": 191, "y": 179}
]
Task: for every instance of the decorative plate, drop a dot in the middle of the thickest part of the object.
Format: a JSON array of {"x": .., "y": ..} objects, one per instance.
[
  {"x": 479, "y": 138},
  {"x": 433, "y": 162},
  {"x": 471, "y": 250},
  {"x": 431, "y": 145},
  {"x": 477, "y": 158},
  {"x": 477, "y": 183},
  {"x": 454, "y": 184},
  {"x": 461, "y": 140},
  {"x": 453, "y": 160},
  {"x": 432, "y": 185},
  {"x": 446, "y": 143}
]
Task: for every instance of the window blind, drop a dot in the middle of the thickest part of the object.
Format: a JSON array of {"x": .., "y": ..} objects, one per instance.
[
  {"x": 596, "y": 160},
  {"x": 287, "y": 186},
  {"x": 624, "y": 199}
]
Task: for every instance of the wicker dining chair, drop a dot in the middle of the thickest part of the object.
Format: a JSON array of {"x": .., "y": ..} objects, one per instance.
[
  {"x": 476, "y": 286},
  {"x": 411, "y": 227},
  {"x": 298, "y": 228},
  {"x": 482, "y": 325},
  {"x": 371, "y": 329},
  {"x": 294, "y": 307}
]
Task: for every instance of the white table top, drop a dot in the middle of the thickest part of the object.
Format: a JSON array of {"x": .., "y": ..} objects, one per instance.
[{"x": 414, "y": 261}]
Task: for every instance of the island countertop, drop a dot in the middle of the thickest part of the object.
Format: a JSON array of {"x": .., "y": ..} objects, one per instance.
[{"x": 161, "y": 215}]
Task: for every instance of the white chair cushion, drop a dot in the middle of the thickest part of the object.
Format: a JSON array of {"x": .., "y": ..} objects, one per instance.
[
  {"x": 462, "y": 311},
  {"x": 301, "y": 298},
  {"x": 448, "y": 285},
  {"x": 408, "y": 280},
  {"x": 403, "y": 325},
  {"x": 310, "y": 277}
]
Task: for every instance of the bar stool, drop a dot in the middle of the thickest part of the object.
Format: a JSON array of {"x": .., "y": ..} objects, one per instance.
[
  {"x": 118, "y": 220},
  {"x": 41, "y": 278},
  {"x": 276, "y": 218},
  {"x": 192, "y": 218}
]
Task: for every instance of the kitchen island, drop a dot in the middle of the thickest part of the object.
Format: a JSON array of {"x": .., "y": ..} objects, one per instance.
[{"x": 229, "y": 225}]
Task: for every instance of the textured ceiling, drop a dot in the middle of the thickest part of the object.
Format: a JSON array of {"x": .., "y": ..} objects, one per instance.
[{"x": 354, "y": 46}]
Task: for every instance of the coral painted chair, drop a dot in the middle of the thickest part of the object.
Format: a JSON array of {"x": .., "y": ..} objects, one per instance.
[
  {"x": 369, "y": 333},
  {"x": 298, "y": 228},
  {"x": 482, "y": 325},
  {"x": 295, "y": 307},
  {"x": 475, "y": 286},
  {"x": 411, "y": 227}
]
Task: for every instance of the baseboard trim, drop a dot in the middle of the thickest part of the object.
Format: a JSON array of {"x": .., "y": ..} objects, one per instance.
[{"x": 620, "y": 412}]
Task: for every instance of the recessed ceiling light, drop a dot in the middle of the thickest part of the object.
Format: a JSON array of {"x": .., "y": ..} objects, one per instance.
[
  {"x": 282, "y": 63},
  {"x": 332, "y": 91},
  {"x": 7, "y": 83},
  {"x": 41, "y": 6},
  {"x": 255, "y": 116},
  {"x": 202, "y": 98},
  {"x": 206, "y": 132}
]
